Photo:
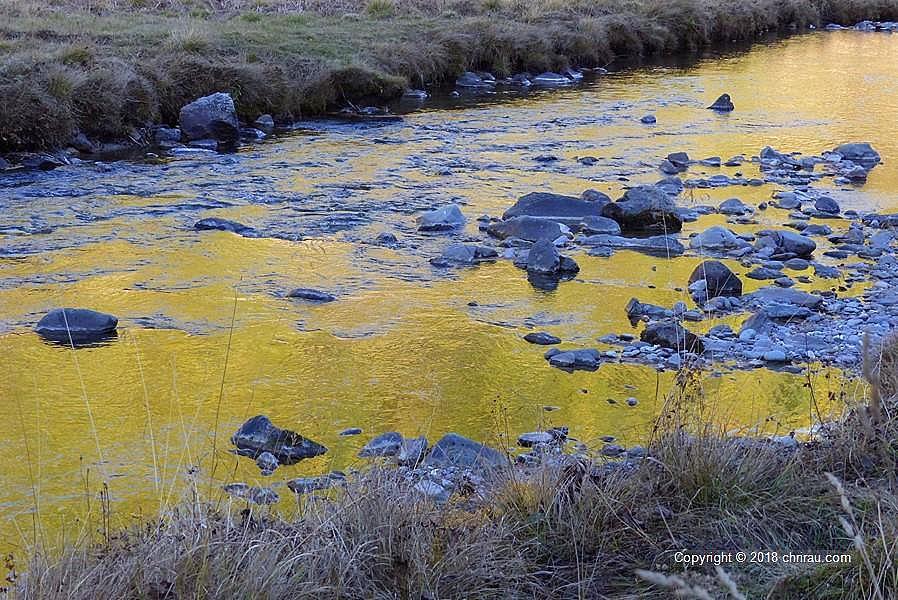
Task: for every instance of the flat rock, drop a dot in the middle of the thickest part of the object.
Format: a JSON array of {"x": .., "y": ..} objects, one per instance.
[
  {"x": 77, "y": 326},
  {"x": 442, "y": 219},
  {"x": 556, "y": 207},
  {"x": 658, "y": 245},
  {"x": 585, "y": 359},
  {"x": 541, "y": 338},
  {"x": 311, "y": 295},
  {"x": 386, "y": 444},
  {"x": 529, "y": 228}
]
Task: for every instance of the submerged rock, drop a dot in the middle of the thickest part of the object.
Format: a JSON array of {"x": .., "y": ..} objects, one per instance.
[
  {"x": 211, "y": 117},
  {"x": 549, "y": 79},
  {"x": 723, "y": 104},
  {"x": 469, "y": 79},
  {"x": 645, "y": 208},
  {"x": 259, "y": 435},
  {"x": 78, "y": 326},
  {"x": 453, "y": 450},
  {"x": 219, "y": 224},
  {"x": 464, "y": 254},
  {"x": 311, "y": 295},
  {"x": 658, "y": 245},
  {"x": 861, "y": 153},
  {"x": 672, "y": 335},
  {"x": 442, "y": 219}
]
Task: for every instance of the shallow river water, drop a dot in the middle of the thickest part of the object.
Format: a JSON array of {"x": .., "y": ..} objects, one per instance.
[{"x": 403, "y": 348}]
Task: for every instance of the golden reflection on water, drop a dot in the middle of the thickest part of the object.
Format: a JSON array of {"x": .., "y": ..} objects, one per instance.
[{"x": 405, "y": 353}]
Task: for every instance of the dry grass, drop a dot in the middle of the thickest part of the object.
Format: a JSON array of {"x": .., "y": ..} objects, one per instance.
[
  {"x": 579, "y": 529},
  {"x": 109, "y": 67}
]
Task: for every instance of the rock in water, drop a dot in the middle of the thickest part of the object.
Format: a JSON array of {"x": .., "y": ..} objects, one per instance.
[
  {"x": 718, "y": 280},
  {"x": 256, "y": 495},
  {"x": 584, "y": 359},
  {"x": 259, "y": 435},
  {"x": 305, "y": 485},
  {"x": 543, "y": 258},
  {"x": 723, "y": 104},
  {"x": 781, "y": 242},
  {"x": 412, "y": 451},
  {"x": 267, "y": 463},
  {"x": 454, "y": 450},
  {"x": 646, "y": 208},
  {"x": 531, "y": 229},
  {"x": 441, "y": 219},
  {"x": 211, "y": 117},
  {"x": 386, "y": 444},
  {"x": 219, "y": 224},
  {"x": 859, "y": 152},
  {"x": 78, "y": 326},
  {"x": 311, "y": 295},
  {"x": 555, "y": 207},
  {"x": 672, "y": 335},
  {"x": 542, "y": 338}
]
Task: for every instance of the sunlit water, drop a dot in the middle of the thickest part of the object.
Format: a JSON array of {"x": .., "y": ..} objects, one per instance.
[{"x": 401, "y": 349}]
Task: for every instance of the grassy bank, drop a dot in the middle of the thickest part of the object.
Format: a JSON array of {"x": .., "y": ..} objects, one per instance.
[
  {"x": 111, "y": 67},
  {"x": 580, "y": 529}
]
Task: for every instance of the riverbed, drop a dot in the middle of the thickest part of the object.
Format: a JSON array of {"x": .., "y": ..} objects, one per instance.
[{"x": 207, "y": 337}]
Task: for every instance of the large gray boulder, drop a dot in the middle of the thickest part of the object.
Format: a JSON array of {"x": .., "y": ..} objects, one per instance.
[
  {"x": 782, "y": 242},
  {"x": 543, "y": 258},
  {"x": 454, "y": 450},
  {"x": 211, "y": 117},
  {"x": 259, "y": 435},
  {"x": 556, "y": 207},
  {"x": 527, "y": 228},
  {"x": 717, "y": 239},
  {"x": 645, "y": 208},
  {"x": 76, "y": 325},
  {"x": 861, "y": 153}
]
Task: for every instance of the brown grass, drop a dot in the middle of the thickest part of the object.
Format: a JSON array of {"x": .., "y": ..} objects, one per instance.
[
  {"x": 579, "y": 529},
  {"x": 108, "y": 67}
]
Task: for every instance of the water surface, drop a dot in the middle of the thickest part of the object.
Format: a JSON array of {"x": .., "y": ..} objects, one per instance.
[{"x": 207, "y": 338}]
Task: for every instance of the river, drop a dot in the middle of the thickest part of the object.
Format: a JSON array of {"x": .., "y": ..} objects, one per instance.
[{"x": 207, "y": 338}]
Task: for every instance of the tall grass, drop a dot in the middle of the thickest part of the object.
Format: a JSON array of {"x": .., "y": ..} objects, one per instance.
[
  {"x": 110, "y": 67},
  {"x": 578, "y": 528}
]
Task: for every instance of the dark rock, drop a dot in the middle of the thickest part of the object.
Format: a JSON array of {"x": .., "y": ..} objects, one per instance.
[
  {"x": 769, "y": 295},
  {"x": 645, "y": 208},
  {"x": 636, "y": 310},
  {"x": 672, "y": 335},
  {"x": 679, "y": 159},
  {"x": 454, "y": 450},
  {"x": 311, "y": 295},
  {"x": 386, "y": 444},
  {"x": 543, "y": 258},
  {"x": 718, "y": 280},
  {"x": 259, "y": 435},
  {"x": 762, "y": 273},
  {"x": 827, "y": 205},
  {"x": 785, "y": 242},
  {"x": 542, "y": 338},
  {"x": 473, "y": 80},
  {"x": 76, "y": 326},
  {"x": 167, "y": 135},
  {"x": 723, "y": 104},
  {"x": 563, "y": 209},
  {"x": 587, "y": 359},
  {"x": 594, "y": 196},
  {"x": 861, "y": 153},
  {"x": 649, "y": 119},
  {"x": 531, "y": 229},
  {"x": 211, "y": 117},
  {"x": 550, "y": 79},
  {"x": 442, "y": 219},
  {"x": 351, "y": 431}
]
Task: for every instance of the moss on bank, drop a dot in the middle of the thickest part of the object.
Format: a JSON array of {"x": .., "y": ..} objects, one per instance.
[{"x": 109, "y": 67}]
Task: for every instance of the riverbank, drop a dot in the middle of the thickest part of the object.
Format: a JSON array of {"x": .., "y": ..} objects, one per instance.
[
  {"x": 110, "y": 73},
  {"x": 562, "y": 526}
]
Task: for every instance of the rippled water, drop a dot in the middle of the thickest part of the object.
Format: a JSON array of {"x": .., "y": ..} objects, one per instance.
[{"x": 402, "y": 348}]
